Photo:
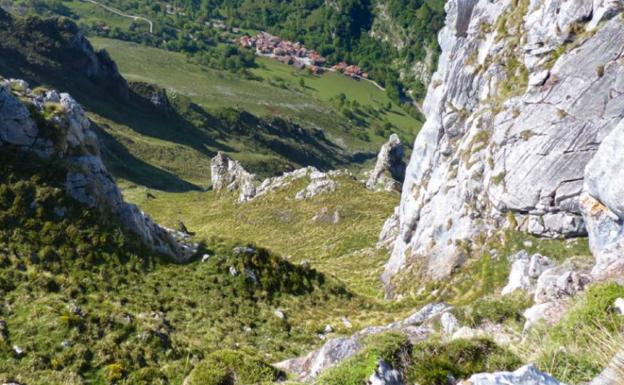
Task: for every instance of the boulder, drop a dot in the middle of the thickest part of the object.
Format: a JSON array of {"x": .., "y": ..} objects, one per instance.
[
  {"x": 525, "y": 271},
  {"x": 450, "y": 324},
  {"x": 526, "y": 375},
  {"x": 603, "y": 207},
  {"x": 385, "y": 375},
  {"x": 554, "y": 289},
  {"x": 618, "y": 305},
  {"x": 389, "y": 170},
  {"x": 554, "y": 286},
  {"x": 613, "y": 373},
  {"x": 334, "y": 351},
  {"x": 319, "y": 183}
]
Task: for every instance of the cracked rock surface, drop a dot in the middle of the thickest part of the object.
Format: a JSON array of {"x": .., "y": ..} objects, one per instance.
[
  {"x": 389, "y": 169},
  {"x": 514, "y": 115}
]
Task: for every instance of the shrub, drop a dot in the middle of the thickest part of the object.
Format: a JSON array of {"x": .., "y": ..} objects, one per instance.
[
  {"x": 114, "y": 373},
  {"x": 583, "y": 342},
  {"x": 393, "y": 347},
  {"x": 498, "y": 310},
  {"x": 231, "y": 367},
  {"x": 433, "y": 362}
]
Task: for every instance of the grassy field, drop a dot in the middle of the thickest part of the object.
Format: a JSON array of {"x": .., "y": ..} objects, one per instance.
[
  {"x": 277, "y": 91},
  {"x": 90, "y": 13},
  {"x": 344, "y": 250}
]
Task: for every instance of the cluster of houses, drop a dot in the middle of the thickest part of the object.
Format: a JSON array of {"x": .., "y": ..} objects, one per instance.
[
  {"x": 295, "y": 54},
  {"x": 350, "y": 70}
]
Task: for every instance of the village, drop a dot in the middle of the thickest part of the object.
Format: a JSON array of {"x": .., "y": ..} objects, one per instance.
[{"x": 297, "y": 55}]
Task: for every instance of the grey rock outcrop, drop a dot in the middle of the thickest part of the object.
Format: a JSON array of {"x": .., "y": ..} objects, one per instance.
[
  {"x": 67, "y": 134},
  {"x": 385, "y": 375},
  {"x": 389, "y": 170},
  {"x": 320, "y": 183},
  {"x": 613, "y": 373},
  {"x": 449, "y": 323},
  {"x": 525, "y": 272},
  {"x": 336, "y": 350},
  {"x": 554, "y": 289},
  {"x": 389, "y": 231},
  {"x": 495, "y": 143},
  {"x": 603, "y": 205},
  {"x": 526, "y": 375},
  {"x": 228, "y": 174}
]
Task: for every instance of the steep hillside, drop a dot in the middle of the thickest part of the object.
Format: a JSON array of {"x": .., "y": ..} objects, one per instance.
[
  {"x": 152, "y": 136},
  {"x": 91, "y": 293}
]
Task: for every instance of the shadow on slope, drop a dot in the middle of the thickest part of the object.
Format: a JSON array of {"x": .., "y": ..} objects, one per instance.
[{"x": 53, "y": 52}]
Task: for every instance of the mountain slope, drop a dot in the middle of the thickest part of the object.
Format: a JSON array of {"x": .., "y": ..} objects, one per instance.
[{"x": 153, "y": 144}]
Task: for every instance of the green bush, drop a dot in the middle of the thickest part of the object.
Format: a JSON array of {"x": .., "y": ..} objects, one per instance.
[
  {"x": 229, "y": 367},
  {"x": 583, "y": 342},
  {"x": 498, "y": 310},
  {"x": 393, "y": 347},
  {"x": 433, "y": 362}
]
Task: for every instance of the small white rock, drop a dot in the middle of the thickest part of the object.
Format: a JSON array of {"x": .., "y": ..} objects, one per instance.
[
  {"x": 233, "y": 271},
  {"x": 346, "y": 322},
  {"x": 450, "y": 324},
  {"x": 328, "y": 329},
  {"x": 279, "y": 314},
  {"x": 206, "y": 257},
  {"x": 18, "y": 351},
  {"x": 619, "y": 306}
]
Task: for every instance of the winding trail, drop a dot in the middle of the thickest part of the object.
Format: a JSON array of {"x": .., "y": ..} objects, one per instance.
[{"x": 120, "y": 13}]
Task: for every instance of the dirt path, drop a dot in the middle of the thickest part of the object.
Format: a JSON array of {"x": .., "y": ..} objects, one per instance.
[{"x": 119, "y": 13}]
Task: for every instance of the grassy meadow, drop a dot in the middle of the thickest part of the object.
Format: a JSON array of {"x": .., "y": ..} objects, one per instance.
[{"x": 275, "y": 89}]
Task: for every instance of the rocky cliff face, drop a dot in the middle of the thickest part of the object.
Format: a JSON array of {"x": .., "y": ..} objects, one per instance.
[
  {"x": 602, "y": 203},
  {"x": 55, "y": 125},
  {"x": 525, "y": 93},
  {"x": 389, "y": 169}
]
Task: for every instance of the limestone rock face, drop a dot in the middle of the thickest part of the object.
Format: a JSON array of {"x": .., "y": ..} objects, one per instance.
[
  {"x": 229, "y": 174},
  {"x": 390, "y": 230},
  {"x": 334, "y": 351},
  {"x": 526, "y": 375},
  {"x": 16, "y": 126},
  {"x": 603, "y": 205},
  {"x": 510, "y": 126},
  {"x": 67, "y": 134},
  {"x": 389, "y": 170}
]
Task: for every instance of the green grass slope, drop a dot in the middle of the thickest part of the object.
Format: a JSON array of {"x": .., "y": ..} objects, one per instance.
[
  {"x": 276, "y": 91},
  {"x": 289, "y": 227},
  {"x": 86, "y": 303}
]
